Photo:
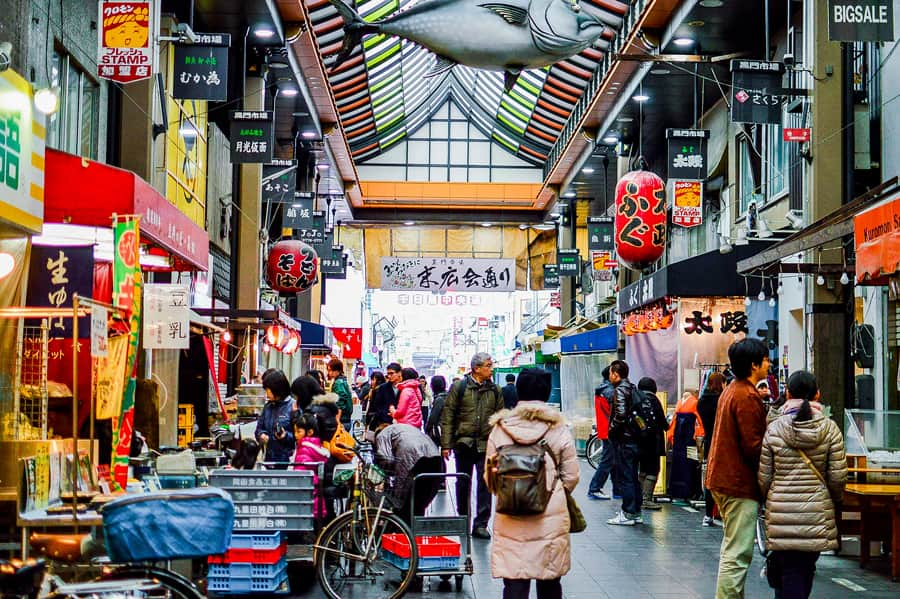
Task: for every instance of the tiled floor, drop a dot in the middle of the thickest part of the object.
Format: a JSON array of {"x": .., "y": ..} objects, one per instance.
[{"x": 670, "y": 556}]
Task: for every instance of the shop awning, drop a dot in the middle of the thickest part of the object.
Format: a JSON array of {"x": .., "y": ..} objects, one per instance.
[
  {"x": 712, "y": 274},
  {"x": 598, "y": 340},
  {"x": 315, "y": 337},
  {"x": 84, "y": 192},
  {"x": 877, "y": 239}
]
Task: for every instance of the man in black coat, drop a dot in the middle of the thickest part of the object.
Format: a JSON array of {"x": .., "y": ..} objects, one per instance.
[
  {"x": 510, "y": 397},
  {"x": 385, "y": 397}
]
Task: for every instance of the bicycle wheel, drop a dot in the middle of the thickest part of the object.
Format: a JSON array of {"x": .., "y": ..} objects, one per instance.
[
  {"x": 592, "y": 451},
  {"x": 169, "y": 584},
  {"x": 351, "y": 558}
]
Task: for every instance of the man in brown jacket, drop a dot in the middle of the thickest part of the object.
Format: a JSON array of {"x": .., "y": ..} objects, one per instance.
[{"x": 733, "y": 464}]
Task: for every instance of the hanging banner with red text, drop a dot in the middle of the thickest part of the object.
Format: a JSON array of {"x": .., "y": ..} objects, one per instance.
[
  {"x": 125, "y": 51},
  {"x": 688, "y": 208}
]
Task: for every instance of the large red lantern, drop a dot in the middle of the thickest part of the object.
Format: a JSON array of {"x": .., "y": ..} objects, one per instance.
[
  {"x": 292, "y": 266},
  {"x": 640, "y": 219}
]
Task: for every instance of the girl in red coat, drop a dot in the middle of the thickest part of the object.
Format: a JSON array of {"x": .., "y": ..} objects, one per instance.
[{"x": 309, "y": 453}]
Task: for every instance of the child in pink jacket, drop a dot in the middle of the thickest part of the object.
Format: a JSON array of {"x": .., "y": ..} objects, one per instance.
[
  {"x": 308, "y": 453},
  {"x": 409, "y": 402}
]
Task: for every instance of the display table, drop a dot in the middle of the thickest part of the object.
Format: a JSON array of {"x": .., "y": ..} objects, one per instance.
[
  {"x": 41, "y": 519},
  {"x": 875, "y": 499}
]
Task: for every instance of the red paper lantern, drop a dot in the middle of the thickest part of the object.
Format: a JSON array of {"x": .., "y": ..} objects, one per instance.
[
  {"x": 640, "y": 219},
  {"x": 277, "y": 336},
  {"x": 293, "y": 342},
  {"x": 292, "y": 266}
]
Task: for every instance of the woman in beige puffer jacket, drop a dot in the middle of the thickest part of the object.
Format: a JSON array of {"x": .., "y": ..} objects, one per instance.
[{"x": 800, "y": 508}]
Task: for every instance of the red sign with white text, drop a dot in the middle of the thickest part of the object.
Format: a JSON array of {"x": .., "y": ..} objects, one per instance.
[
  {"x": 125, "y": 41},
  {"x": 351, "y": 341},
  {"x": 798, "y": 135}
]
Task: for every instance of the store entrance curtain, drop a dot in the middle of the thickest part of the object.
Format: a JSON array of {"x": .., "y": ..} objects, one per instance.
[
  {"x": 579, "y": 375},
  {"x": 655, "y": 354}
]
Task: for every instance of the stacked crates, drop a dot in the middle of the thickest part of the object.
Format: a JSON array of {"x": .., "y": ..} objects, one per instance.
[
  {"x": 185, "y": 424},
  {"x": 435, "y": 553},
  {"x": 254, "y": 563}
]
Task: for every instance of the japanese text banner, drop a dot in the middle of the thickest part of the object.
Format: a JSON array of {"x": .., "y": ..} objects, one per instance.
[
  {"x": 447, "y": 274},
  {"x": 55, "y": 275}
]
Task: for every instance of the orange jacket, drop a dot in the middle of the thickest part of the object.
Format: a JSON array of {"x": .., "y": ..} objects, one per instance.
[{"x": 686, "y": 405}]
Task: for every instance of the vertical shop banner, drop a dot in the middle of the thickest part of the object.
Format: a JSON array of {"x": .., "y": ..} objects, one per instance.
[
  {"x": 21, "y": 155},
  {"x": 251, "y": 137},
  {"x": 756, "y": 91},
  {"x": 687, "y": 153},
  {"x": 166, "y": 316},
  {"x": 688, "y": 203},
  {"x": 551, "y": 276},
  {"x": 600, "y": 233},
  {"x": 279, "y": 181},
  {"x": 201, "y": 69},
  {"x": 351, "y": 340},
  {"x": 568, "y": 262},
  {"x": 109, "y": 379},
  {"x": 55, "y": 275},
  {"x": 127, "y": 294},
  {"x": 125, "y": 51},
  {"x": 99, "y": 335},
  {"x": 861, "y": 20}
]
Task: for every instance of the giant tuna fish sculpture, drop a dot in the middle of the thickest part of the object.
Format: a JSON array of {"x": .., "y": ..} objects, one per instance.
[{"x": 509, "y": 35}]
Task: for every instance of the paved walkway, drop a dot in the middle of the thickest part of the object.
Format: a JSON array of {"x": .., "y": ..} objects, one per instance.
[{"x": 670, "y": 556}]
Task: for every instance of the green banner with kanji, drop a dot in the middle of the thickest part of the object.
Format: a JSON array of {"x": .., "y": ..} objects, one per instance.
[{"x": 127, "y": 295}]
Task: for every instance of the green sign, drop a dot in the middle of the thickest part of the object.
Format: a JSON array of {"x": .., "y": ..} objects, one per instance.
[
  {"x": 568, "y": 262},
  {"x": 201, "y": 70}
]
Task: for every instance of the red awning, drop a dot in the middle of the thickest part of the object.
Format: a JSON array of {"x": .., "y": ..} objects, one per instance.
[{"x": 84, "y": 192}]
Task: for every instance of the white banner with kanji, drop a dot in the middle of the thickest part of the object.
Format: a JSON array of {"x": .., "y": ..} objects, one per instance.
[
  {"x": 166, "y": 316},
  {"x": 447, "y": 274}
]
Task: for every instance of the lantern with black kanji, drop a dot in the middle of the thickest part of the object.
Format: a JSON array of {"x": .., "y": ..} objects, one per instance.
[
  {"x": 292, "y": 266},
  {"x": 640, "y": 219}
]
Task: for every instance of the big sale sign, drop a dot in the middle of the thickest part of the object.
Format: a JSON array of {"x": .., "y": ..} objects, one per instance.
[{"x": 125, "y": 46}]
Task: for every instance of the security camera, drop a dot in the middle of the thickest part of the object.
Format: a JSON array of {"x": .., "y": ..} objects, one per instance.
[
  {"x": 788, "y": 59},
  {"x": 5, "y": 55},
  {"x": 185, "y": 32}
]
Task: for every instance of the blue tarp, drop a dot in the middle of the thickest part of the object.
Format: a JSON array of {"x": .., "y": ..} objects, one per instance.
[{"x": 598, "y": 340}]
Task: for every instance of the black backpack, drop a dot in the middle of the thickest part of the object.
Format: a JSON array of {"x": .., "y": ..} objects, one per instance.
[
  {"x": 517, "y": 475},
  {"x": 644, "y": 414}
]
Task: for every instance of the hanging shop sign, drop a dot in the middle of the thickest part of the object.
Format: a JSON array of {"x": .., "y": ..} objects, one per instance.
[
  {"x": 876, "y": 234},
  {"x": 332, "y": 263},
  {"x": 298, "y": 214},
  {"x": 640, "y": 219},
  {"x": 687, "y": 153},
  {"x": 21, "y": 155},
  {"x": 861, "y": 20},
  {"x": 756, "y": 91},
  {"x": 600, "y": 232},
  {"x": 125, "y": 51},
  {"x": 166, "y": 316},
  {"x": 292, "y": 266},
  {"x": 687, "y": 198},
  {"x": 555, "y": 301},
  {"x": 551, "y": 276},
  {"x": 251, "y": 137},
  {"x": 201, "y": 69},
  {"x": 280, "y": 182},
  {"x": 447, "y": 274},
  {"x": 796, "y": 135},
  {"x": 313, "y": 232},
  {"x": 99, "y": 336},
  {"x": 568, "y": 262},
  {"x": 643, "y": 292},
  {"x": 55, "y": 275},
  {"x": 603, "y": 265}
]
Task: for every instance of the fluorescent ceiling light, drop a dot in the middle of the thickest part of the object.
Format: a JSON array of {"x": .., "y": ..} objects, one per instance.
[
  {"x": 683, "y": 41},
  {"x": 660, "y": 71},
  {"x": 263, "y": 32},
  {"x": 322, "y": 166},
  {"x": 640, "y": 98},
  {"x": 544, "y": 227},
  {"x": 587, "y": 170},
  {"x": 308, "y": 134},
  {"x": 569, "y": 194},
  {"x": 711, "y": 3},
  {"x": 409, "y": 223},
  {"x": 485, "y": 224},
  {"x": 289, "y": 91},
  {"x": 610, "y": 139}
]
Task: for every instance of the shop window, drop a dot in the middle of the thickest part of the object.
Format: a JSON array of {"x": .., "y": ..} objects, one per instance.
[
  {"x": 764, "y": 167},
  {"x": 73, "y": 128}
]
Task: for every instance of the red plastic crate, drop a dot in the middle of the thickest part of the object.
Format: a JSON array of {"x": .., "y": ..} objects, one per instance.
[
  {"x": 428, "y": 546},
  {"x": 252, "y": 556}
]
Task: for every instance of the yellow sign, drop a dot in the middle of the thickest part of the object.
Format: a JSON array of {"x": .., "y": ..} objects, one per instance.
[
  {"x": 22, "y": 136},
  {"x": 186, "y": 161}
]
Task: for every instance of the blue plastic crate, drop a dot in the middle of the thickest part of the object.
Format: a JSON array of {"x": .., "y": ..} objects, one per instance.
[
  {"x": 247, "y": 585},
  {"x": 246, "y": 570},
  {"x": 425, "y": 563},
  {"x": 262, "y": 540}
]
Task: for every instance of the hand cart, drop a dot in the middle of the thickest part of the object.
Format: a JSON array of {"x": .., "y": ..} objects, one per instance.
[{"x": 442, "y": 526}]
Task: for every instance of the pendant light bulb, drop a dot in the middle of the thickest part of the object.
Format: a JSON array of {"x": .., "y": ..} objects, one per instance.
[
  {"x": 844, "y": 279},
  {"x": 772, "y": 302},
  {"x": 780, "y": 289},
  {"x": 762, "y": 296},
  {"x": 747, "y": 301},
  {"x": 820, "y": 280}
]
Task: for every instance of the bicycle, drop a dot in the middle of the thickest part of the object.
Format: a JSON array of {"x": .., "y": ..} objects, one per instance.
[
  {"x": 592, "y": 450},
  {"x": 140, "y": 531},
  {"x": 351, "y": 549}
]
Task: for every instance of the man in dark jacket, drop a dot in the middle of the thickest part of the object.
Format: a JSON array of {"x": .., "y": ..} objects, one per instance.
[
  {"x": 603, "y": 401},
  {"x": 510, "y": 397},
  {"x": 385, "y": 396},
  {"x": 465, "y": 426},
  {"x": 341, "y": 388},
  {"x": 652, "y": 445},
  {"x": 624, "y": 436},
  {"x": 733, "y": 463}
]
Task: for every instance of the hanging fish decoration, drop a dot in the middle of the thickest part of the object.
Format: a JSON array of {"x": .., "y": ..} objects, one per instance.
[{"x": 506, "y": 35}]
